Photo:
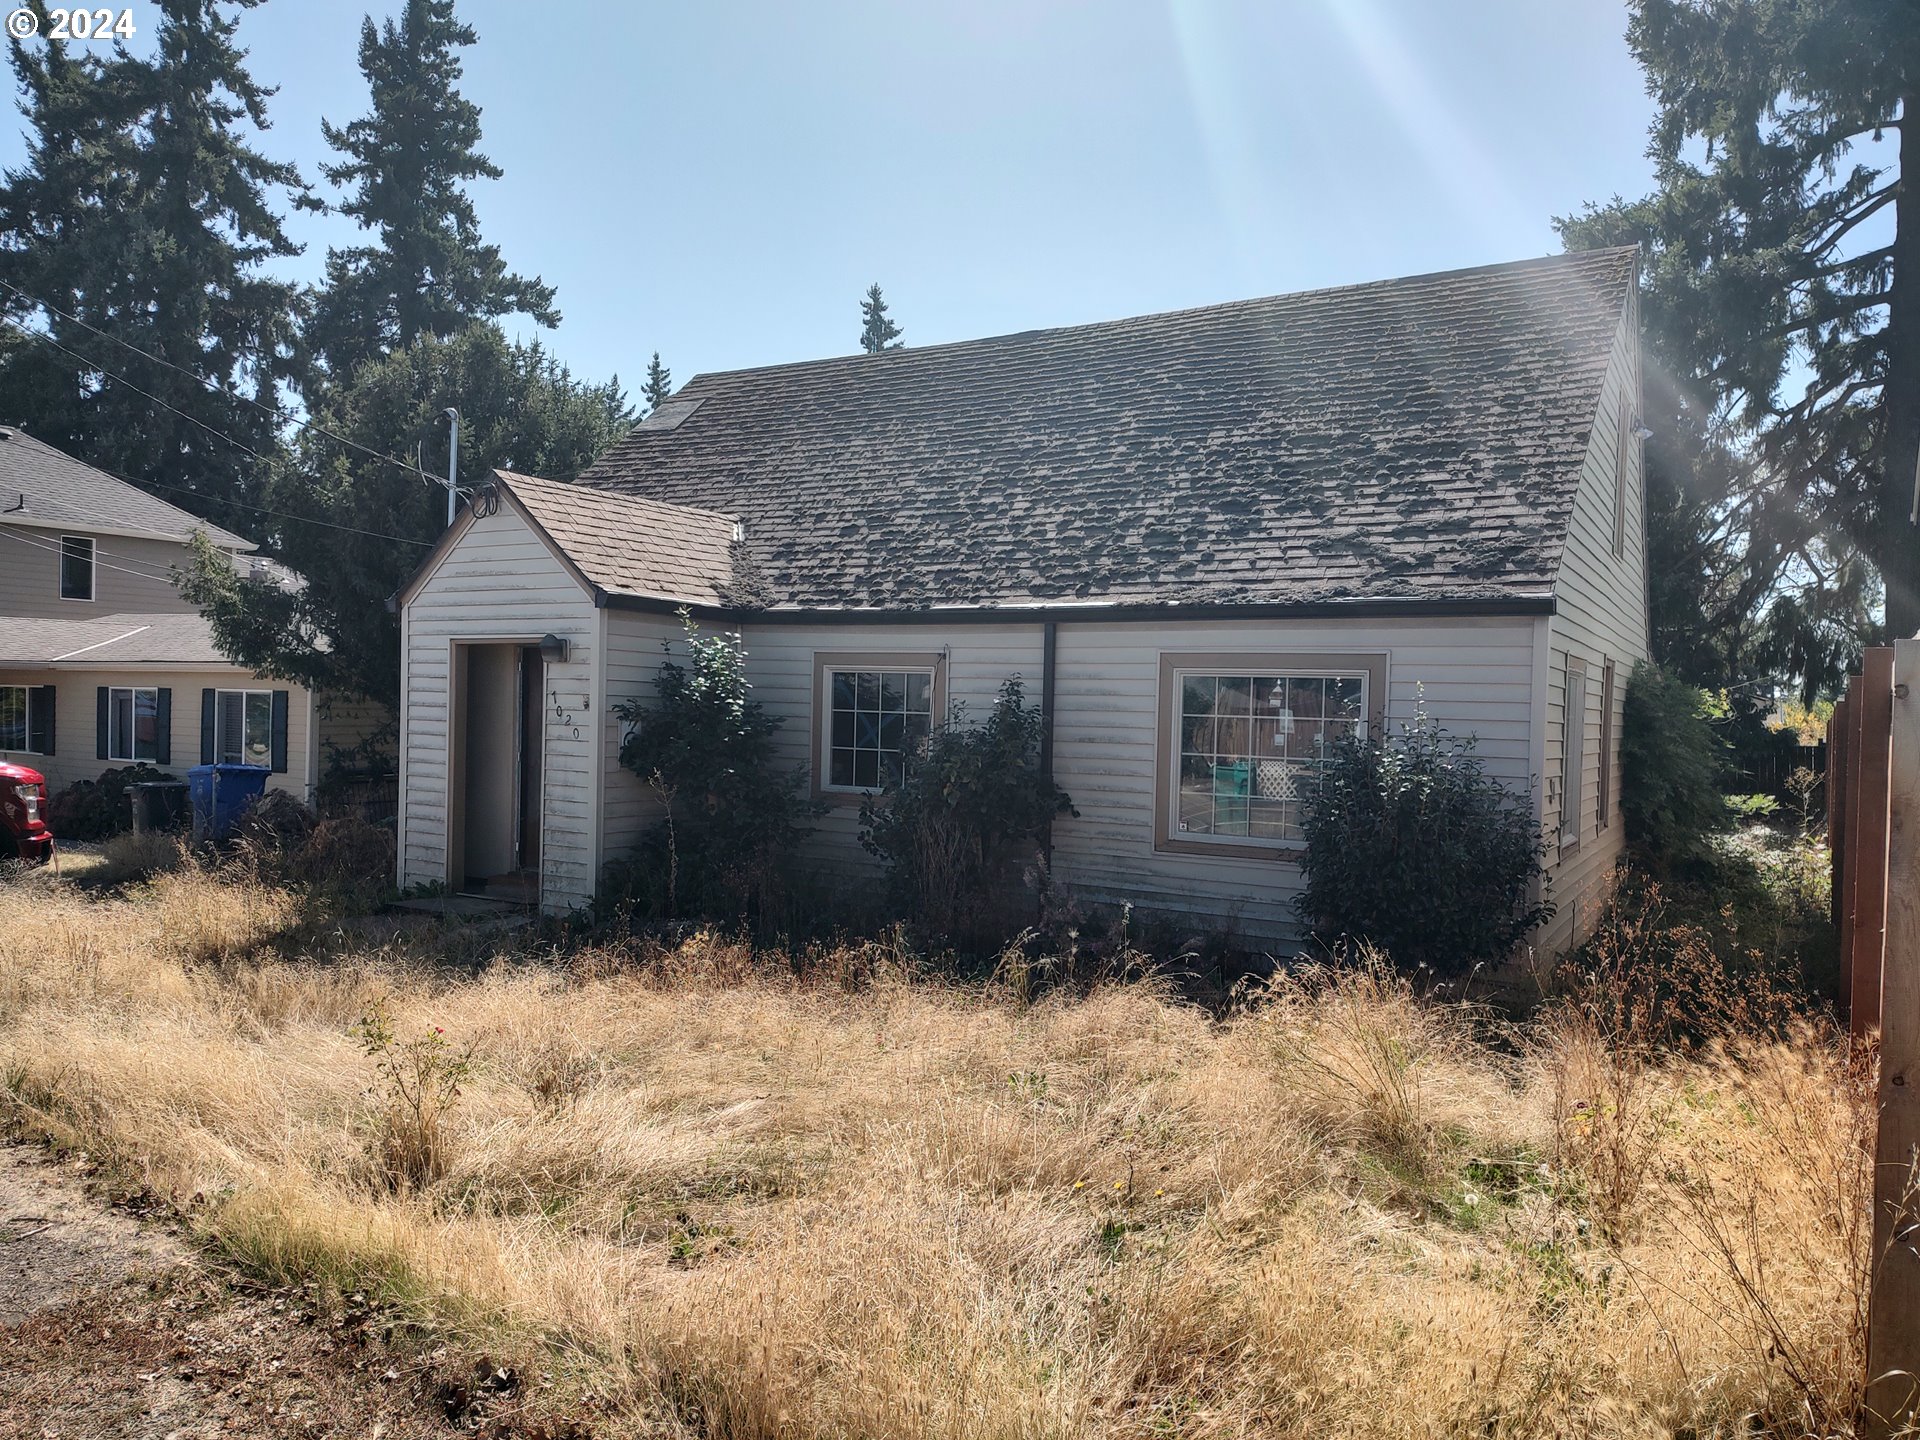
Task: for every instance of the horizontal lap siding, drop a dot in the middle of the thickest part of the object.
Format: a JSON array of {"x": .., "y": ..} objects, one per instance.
[
  {"x": 500, "y": 583},
  {"x": 1600, "y": 615},
  {"x": 1472, "y": 677},
  {"x": 780, "y": 667},
  {"x": 636, "y": 648},
  {"x": 76, "y": 719}
]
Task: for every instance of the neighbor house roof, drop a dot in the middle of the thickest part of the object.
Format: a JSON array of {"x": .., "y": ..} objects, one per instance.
[
  {"x": 48, "y": 488},
  {"x": 109, "y": 640},
  {"x": 1417, "y": 440},
  {"x": 626, "y": 545}
]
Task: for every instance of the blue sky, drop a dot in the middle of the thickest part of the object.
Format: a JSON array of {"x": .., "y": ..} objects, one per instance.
[{"x": 721, "y": 181}]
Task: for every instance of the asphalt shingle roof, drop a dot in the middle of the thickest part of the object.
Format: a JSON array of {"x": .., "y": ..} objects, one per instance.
[
  {"x": 53, "y": 488},
  {"x": 632, "y": 546},
  {"x": 1413, "y": 439},
  {"x": 127, "y": 639}
]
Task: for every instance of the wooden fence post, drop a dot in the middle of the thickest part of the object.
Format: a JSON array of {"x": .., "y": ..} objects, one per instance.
[
  {"x": 1893, "y": 1317},
  {"x": 1868, "y": 824},
  {"x": 1837, "y": 815},
  {"x": 1849, "y": 870}
]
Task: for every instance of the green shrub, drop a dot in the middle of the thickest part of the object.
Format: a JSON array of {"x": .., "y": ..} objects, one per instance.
[
  {"x": 972, "y": 807},
  {"x": 731, "y": 816},
  {"x": 1672, "y": 763},
  {"x": 1413, "y": 848},
  {"x": 97, "y": 809}
]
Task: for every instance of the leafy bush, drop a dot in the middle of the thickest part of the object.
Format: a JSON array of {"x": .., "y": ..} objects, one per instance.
[
  {"x": 731, "y": 815},
  {"x": 1672, "y": 763},
  {"x": 97, "y": 809},
  {"x": 1414, "y": 849},
  {"x": 971, "y": 808}
]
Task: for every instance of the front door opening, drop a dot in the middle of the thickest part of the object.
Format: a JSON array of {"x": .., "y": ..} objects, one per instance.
[{"x": 494, "y": 841}]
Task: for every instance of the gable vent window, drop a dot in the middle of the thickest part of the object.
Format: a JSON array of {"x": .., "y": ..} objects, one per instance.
[{"x": 76, "y": 567}]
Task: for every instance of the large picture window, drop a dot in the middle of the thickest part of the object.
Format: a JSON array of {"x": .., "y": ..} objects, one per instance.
[
  {"x": 133, "y": 724},
  {"x": 873, "y": 715},
  {"x": 243, "y": 727},
  {"x": 1246, "y": 741}
]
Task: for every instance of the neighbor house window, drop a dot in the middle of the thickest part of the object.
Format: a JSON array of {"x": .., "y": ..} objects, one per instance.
[
  {"x": 15, "y": 727},
  {"x": 243, "y": 727},
  {"x": 76, "y": 567},
  {"x": 1247, "y": 741},
  {"x": 874, "y": 714},
  {"x": 133, "y": 724},
  {"x": 1573, "y": 752}
]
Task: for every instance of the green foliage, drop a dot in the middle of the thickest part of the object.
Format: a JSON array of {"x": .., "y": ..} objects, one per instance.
[
  {"x": 522, "y": 410},
  {"x": 405, "y": 167},
  {"x": 657, "y": 386},
  {"x": 971, "y": 809},
  {"x": 731, "y": 815},
  {"x": 1777, "y": 242},
  {"x": 1672, "y": 763},
  {"x": 97, "y": 809},
  {"x": 1413, "y": 848},
  {"x": 877, "y": 331},
  {"x": 1750, "y": 807},
  {"x": 142, "y": 216},
  {"x": 419, "y": 1085}
]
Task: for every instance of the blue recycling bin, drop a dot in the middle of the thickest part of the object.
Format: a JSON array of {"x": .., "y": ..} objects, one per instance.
[{"x": 221, "y": 793}]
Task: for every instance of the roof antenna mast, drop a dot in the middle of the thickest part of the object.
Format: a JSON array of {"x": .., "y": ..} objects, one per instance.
[{"x": 453, "y": 462}]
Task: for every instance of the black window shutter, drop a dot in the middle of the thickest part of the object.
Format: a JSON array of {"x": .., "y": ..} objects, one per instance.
[
  {"x": 207, "y": 712},
  {"x": 280, "y": 732},
  {"x": 40, "y": 720},
  {"x": 100, "y": 725},
  {"x": 163, "y": 728}
]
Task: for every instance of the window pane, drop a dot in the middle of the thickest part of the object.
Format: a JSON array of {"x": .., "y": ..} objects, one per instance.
[
  {"x": 893, "y": 692},
  {"x": 842, "y": 727},
  {"x": 893, "y": 732},
  {"x": 1235, "y": 695},
  {"x": 843, "y": 689},
  {"x": 842, "y": 770},
  {"x": 920, "y": 694},
  {"x": 866, "y": 730},
  {"x": 259, "y": 729},
  {"x": 867, "y": 690},
  {"x": 76, "y": 568},
  {"x": 1306, "y": 697},
  {"x": 146, "y": 724},
  {"x": 893, "y": 768},
  {"x": 13, "y": 717},
  {"x": 120, "y": 724},
  {"x": 1196, "y": 735},
  {"x": 866, "y": 767},
  {"x": 919, "y": 728},
  {"x": 1196, "y": 694},
  {"x": 229, "y": 725},
  {"x": 1343, "y": 698}
]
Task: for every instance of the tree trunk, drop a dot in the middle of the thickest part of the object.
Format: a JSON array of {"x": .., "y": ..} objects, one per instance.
[{"x": 1899, "y": 538}]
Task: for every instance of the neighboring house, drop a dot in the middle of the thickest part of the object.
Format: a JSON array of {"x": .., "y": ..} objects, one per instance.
[
  {"x": 102, "y": 663},
  {"x": 1209, "y": 541}
]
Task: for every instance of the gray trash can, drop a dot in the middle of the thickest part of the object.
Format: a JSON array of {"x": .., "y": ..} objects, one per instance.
[{"x": 159, "y": 806}]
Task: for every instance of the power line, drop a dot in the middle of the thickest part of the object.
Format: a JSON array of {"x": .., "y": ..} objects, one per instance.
[
  {"x": 218, "y": 389},
  {"x": 182, "y": 490},
  {"x": 13, "y": 534}
]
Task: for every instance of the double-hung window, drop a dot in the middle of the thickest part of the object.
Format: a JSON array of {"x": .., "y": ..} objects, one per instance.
[
  {"x": 76, "y": 567},
  {"x": 243, "y": 727},
  {"x": 875, "y": 715},
  {"x": 1573, "y": 752},
  {"x": 133, "y": 723},
  {"x": 1247, "y": 739}
]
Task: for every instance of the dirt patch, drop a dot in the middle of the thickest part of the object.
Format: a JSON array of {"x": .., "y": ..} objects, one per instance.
[{"x": 112, "y": 1327}]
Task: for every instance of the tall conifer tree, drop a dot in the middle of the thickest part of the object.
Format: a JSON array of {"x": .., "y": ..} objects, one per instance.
[
  {"x": 658, "y": 384},
  {"x": 405, "y": 167},
  {"x": 877, "y": 331},
  {"x": 143, "y": 213}
]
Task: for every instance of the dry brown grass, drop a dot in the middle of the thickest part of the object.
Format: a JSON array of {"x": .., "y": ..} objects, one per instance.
[{"x": 735, "y": 1201}]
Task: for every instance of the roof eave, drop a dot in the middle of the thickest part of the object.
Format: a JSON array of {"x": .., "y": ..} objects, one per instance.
[{"x": 1386, "y": 607}]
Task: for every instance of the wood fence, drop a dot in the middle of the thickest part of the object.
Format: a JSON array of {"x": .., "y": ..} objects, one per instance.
[{"x": 1873, "y": 826}]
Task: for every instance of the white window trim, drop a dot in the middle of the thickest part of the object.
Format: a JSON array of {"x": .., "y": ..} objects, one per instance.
[
  {"x": 26, "y": 709},
  {"x": 1573, "y": 752},
  {"x": 825, "y": 664},
  {"x": 218, "y": 696},
  {"x": 93, "y": 570},
  {"x": 133, "y": 722},
  {"x": 1369, "y": 669}
]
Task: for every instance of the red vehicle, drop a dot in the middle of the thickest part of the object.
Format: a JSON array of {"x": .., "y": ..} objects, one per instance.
[{"x": 23, "y": 813}]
